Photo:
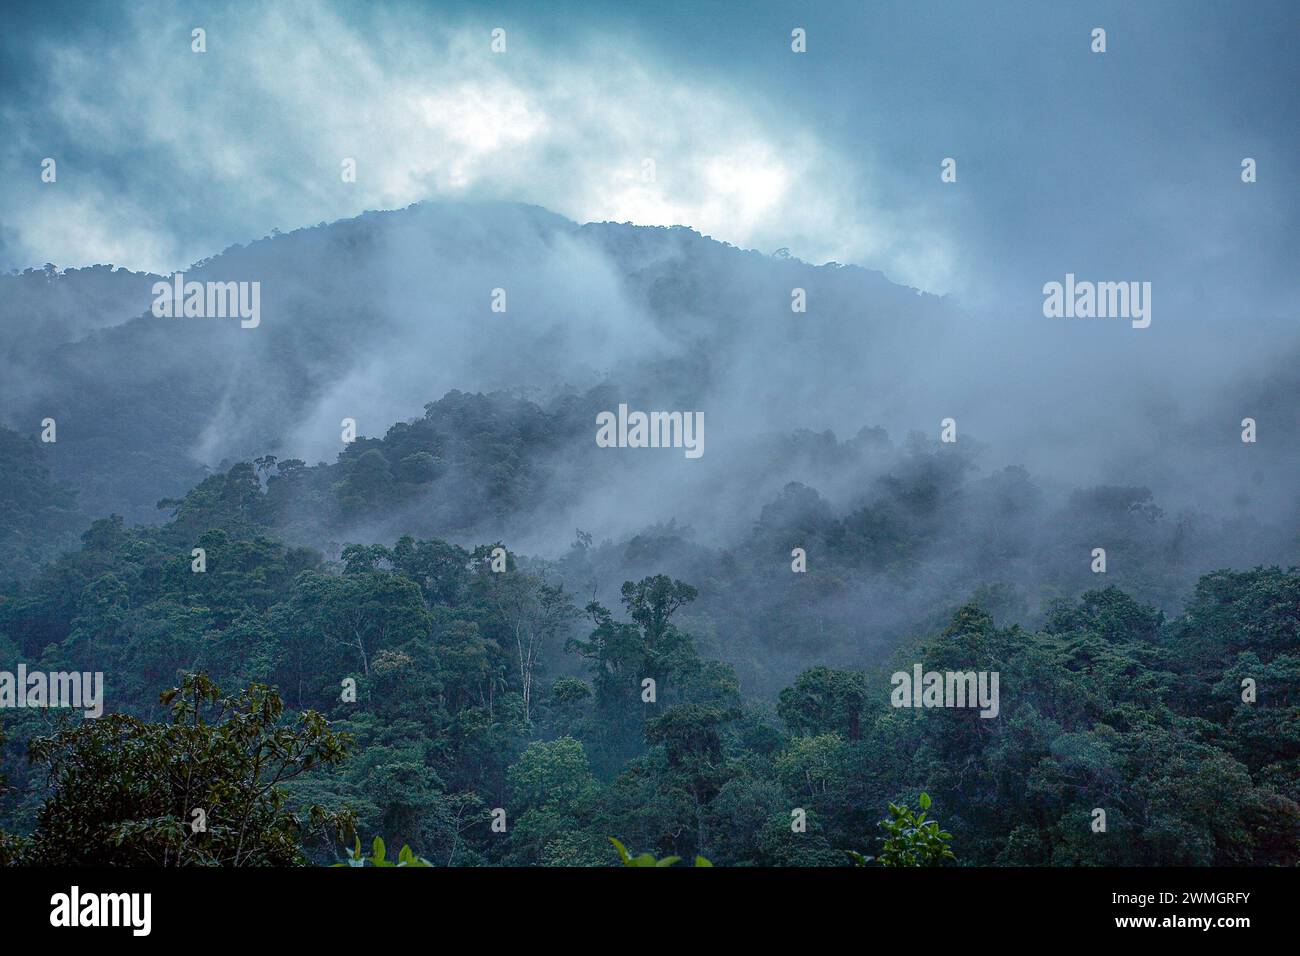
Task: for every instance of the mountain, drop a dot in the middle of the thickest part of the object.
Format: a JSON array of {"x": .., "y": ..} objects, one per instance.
[
  {"x": 513, "y": 329},
  {"x": 371, "y": 318}
]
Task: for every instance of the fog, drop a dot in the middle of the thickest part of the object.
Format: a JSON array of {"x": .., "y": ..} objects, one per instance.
[
  {"x": 371, "y": 318},
  {"x": 521, "y": 181}
]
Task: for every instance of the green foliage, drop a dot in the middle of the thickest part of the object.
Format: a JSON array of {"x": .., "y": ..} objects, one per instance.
[
  {"x": 647, "y": 859},
  {"x": 824, "y": 700},
  {"x": 477, "y": 689},
  {"x": 377, "y": 857},
  {"x": 910, "y": 839},
  {"x": 124, "y": 792},
  {"x": 38, "y": 516}
]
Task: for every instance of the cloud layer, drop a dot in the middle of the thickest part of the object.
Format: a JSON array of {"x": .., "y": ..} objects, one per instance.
[{"x": 166, "y": 155}]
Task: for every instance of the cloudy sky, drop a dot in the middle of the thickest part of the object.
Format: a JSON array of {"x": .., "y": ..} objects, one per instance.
[{"x": 1124, "y": 164}]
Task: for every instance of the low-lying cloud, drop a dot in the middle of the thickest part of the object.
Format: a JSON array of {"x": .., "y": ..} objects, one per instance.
[{"x": 166, "y": 155}]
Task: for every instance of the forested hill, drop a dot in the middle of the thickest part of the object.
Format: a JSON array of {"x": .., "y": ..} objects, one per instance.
[
  {"x": 432, "y": 619},
  {"x": 481, "y": 690},
  {"x": 371, "y": 318},
  {"x": 481, "y": 686},
  {"x": 896, "y": 533}
]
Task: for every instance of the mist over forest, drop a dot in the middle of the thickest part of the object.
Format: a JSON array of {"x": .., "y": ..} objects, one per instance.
[
  {"x": 821, "y": 433},
  {"x": 362, "y": 565},
  {"x": 810, "y": 417}
]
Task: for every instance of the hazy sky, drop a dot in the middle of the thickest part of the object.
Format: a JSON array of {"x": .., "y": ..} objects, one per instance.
[{"x": 1122, "y": 165}]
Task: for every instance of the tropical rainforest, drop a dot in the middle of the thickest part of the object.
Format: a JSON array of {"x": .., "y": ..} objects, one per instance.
[
  {"x": 475, "y": 635},
  {"x": 479, "y": 689}
]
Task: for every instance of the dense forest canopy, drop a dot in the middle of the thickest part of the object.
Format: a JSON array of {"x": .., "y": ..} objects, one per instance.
[
  {"x": 481, "y": 637},
  {"x": 484, "y": 680}
]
